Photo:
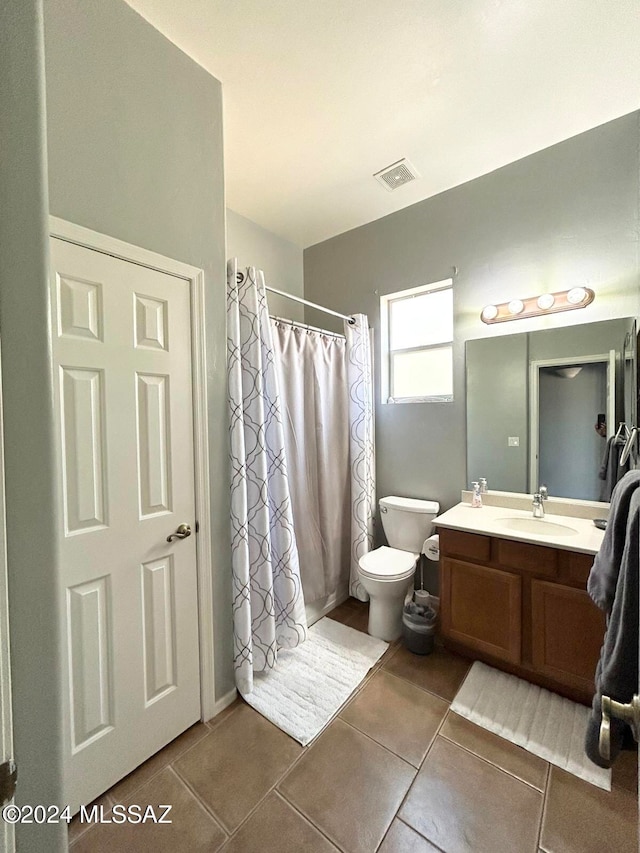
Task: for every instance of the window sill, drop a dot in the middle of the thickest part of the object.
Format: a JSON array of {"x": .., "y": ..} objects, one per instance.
[{"x": 443, "y": 398}]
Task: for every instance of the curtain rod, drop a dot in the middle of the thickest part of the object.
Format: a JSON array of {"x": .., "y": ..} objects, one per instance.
[
  {"x": 298, "y": 325},
  {"x": 349, "y": 320}
]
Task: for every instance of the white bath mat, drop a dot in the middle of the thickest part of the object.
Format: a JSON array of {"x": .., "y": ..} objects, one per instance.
[
  {"x": 311, "y": 682},
  {"x": 537, "y": 719}
]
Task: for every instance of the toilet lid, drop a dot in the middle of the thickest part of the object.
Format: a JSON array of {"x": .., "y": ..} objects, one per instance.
[
  {"x": 388, "y": 563},
  {"x": 410, "y": 504}
]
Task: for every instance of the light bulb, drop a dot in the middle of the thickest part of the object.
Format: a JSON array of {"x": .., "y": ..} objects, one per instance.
[
  {"x": 546, "y": 301},
  {"x": 516, "y": 306},
  {"x": 489, "y": 312},
  {"x": 576, "y": 295}
]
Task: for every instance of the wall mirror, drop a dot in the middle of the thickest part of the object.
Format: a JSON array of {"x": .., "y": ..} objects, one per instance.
[{"x": 541, "y": 406}]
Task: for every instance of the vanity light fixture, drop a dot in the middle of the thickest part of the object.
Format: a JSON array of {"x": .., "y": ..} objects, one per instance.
[
  {"x": 546, "y": 301},
  {"x": 489, "y": 313},
  {"x": 536, "y": 306},
  {"x": 577, "y": 295}
]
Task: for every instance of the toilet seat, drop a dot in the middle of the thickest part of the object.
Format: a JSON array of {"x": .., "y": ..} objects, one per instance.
[{"x": 388, "y": 564}]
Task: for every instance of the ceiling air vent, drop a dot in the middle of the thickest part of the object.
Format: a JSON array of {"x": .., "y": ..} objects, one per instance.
[{"x": 397, "y": 174}]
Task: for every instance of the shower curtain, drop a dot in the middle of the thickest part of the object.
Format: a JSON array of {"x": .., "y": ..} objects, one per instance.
[
  {"x": 268, "y": 606},
  {"x": 361, "y": 445},
  {"x": 327, "y": 395},
  {"x": 312, "y": 379}
]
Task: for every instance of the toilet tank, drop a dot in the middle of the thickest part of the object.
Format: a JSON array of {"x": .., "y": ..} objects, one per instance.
[{"x": 407, "y": 522}]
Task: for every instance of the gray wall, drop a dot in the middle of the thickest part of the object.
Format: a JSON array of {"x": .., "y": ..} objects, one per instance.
[
  {"x": 565, "y": 216},
  {"x": 498, "y": 408},
  {"x": 28, "y": 421},
  {"x": 135, "y": 151},
  {"x": 588, "y": 339},
  {"x": 280, "y": 260}
]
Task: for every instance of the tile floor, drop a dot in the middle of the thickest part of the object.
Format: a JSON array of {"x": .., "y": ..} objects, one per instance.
[{"x": 394, "y": 772}]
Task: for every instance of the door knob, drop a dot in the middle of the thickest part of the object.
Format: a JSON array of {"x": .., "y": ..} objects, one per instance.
[
  {"x": 182, "y": 531},
  {"x": 629, "y": 712}
]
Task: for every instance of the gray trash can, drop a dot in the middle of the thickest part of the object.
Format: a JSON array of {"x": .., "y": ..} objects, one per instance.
[{"x": 418, "y": 631}]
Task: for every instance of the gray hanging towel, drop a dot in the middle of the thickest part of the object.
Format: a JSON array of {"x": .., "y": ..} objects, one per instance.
[
  {"x": 611, "y": 472},
  {"x": 613, "y": 585},
  {"x": 604, "y": 573}
]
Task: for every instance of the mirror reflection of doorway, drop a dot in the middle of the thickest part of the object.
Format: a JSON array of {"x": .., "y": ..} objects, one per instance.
[
  {"x": 565, "y": 449},
  {"x": 570, "y": 449}
]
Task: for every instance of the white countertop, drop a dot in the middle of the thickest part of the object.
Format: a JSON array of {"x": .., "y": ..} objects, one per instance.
[{"x": 587, "y": 538}]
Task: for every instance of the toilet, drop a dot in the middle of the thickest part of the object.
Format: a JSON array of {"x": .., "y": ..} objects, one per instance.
[{"x": 387, "y": 572}]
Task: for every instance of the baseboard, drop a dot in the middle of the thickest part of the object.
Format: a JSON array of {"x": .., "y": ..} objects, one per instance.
[
  {"x": 317, "y": 609},
  {"x": 228, "y": 699}
]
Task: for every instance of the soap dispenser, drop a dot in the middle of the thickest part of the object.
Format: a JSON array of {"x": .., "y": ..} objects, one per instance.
[{"x": 476, "y": 498}]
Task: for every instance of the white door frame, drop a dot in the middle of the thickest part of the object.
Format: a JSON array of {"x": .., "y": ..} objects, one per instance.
[
  {"x": 127, "y": 252},
  {"x": 608, "y": 358},
  {"x": 7, "y": 833}
]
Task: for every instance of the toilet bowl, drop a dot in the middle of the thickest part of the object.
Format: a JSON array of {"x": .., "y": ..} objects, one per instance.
[{"x": 387, "y": 572}]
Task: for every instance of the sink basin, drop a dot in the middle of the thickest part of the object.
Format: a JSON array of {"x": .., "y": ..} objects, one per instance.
[{"x": 536, "y": 525}]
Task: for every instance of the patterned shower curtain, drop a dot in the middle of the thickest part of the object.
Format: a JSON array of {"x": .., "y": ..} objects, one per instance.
[
  {"x": 361, "y": 445},
  {"x": 311, "y": 367},
  {"x": 268, "y": 605}
]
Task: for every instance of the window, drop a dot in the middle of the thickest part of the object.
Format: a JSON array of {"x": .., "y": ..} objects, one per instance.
[{"x": 417, "y": 344}]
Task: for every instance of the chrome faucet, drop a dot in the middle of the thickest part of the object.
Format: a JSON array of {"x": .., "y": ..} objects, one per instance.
[
  {"x": 538, "y": 506},
  {"x": 543, "y": 491}
]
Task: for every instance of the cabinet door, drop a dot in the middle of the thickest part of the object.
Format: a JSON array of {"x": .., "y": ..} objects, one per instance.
[
  {"x": 568, "y": 631},
  {"x": 482, "y": 608}
]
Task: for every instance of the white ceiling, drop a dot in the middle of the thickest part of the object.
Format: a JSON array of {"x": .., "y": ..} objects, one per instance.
[{"x": 320, "y": 94}]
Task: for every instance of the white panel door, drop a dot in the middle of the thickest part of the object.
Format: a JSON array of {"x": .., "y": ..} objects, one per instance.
[{"x": 122, "y": 352}]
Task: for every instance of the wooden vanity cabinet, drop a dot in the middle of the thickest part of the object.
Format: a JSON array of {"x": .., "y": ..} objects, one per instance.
[
  {"x": 521, "y": 607},
  {"x": 566, "y": 632},
  {"x": 483, "y": 607}
]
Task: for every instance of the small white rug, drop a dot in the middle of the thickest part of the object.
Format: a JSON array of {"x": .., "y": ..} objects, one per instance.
[
  {"x": 537, "y": 719},
  {"x": 310, "y": 683}
]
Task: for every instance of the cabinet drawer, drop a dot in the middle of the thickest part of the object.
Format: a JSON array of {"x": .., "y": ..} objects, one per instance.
[
  {"x": 481, "y": 608},
  {"x": 473, "y": 546},
  {"x": 535, "y": 559},
  {"x": 575, "y": 568}
]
